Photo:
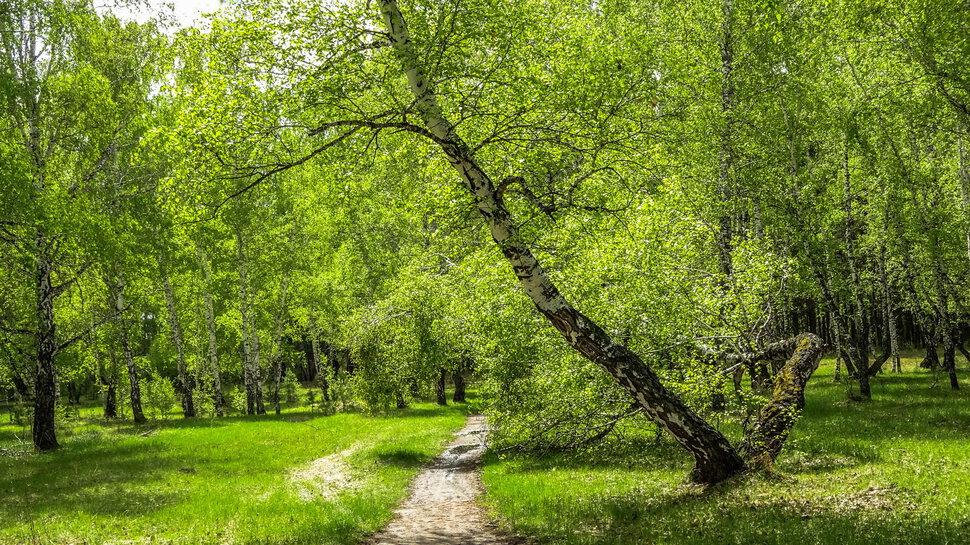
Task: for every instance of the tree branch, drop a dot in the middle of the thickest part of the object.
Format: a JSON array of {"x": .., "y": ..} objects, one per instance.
[{"x": 93, "y": 326}]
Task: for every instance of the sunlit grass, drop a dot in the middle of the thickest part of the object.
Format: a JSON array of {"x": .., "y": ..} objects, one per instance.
[
  {"x": 891, "y": 471},
  {"x": 207, "y": 481}
]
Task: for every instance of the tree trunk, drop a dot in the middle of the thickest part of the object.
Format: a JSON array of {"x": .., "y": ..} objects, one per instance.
[
  {"x": 459, "y": 379},
  {"x": 257, "y": 366},
  {"x": 276, "y": 357},
  {"x": 763, "y": 443},
  {"x": 249, "y": 372},
  {"x": 715, "y": 459},
  {"x": 133, "y": 380},
  {"x": 439, "y": 387},
  {"x": 859, "y": 332},
  {"x": 109, "y": 381},
  {"x": 949, "y": 356},
  {"x": 45, "y": 383},
  {"x": 399, "y": 397},
  {"x": 185, "y": 381},
  {"x": 218, "y": 399},
  {"x": 321, "y": 369},
  {"x": 107, "y": 376},
  {"x": 838, "y": 358},
  {"x": 278, "y": 371},
  {"x": 111, "y": 400},
  {"x": 725, "y": 190},
  {"x": 964, "y": 177},
  {"x": 891, "y": 313},
  {"x": 931, "y": 360}
]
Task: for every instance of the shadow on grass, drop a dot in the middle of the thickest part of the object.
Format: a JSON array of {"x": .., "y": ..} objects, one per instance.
[
  {"x": 90, "y": 478},
  {"x": 837, "y": 449},
  {"x": 400, "y": 457},
  {"x": 730, "y": 516}
]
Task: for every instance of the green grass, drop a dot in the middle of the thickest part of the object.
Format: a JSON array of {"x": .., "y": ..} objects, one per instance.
[
  {"x": 208, "y": 481},
  {"x": 895, "y": 470}
]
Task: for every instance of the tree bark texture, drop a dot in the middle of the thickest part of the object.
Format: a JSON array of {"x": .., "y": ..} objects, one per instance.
[
  {"x": 763, "y": 442},
  {"x": 45, "y": 382},
  {"x": 459, "y": 379},
  {"x": 109, "y": 382},
  {"x": 949, "y": 357},
  {"x": 439, "y": 387},
  {"x": 133, "y": 380}
]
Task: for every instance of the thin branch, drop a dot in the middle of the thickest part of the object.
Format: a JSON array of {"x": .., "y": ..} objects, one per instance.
[{"x": 94, "y": 326}]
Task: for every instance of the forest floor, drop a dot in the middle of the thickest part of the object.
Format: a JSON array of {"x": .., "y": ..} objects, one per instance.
[
  {"x": 893, "y": 470},
  {"x": 299, "y": 478},
  {"x": 443, "y": 507}
]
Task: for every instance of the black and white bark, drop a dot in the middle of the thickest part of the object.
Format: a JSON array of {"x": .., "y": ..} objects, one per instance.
[
  {"x": 725, "y": 190},
  {"x": 857, "y": 335},
  {"x": 45, "y": 382},
  {"x": 891, "y": 313},
  {"x": 107, "y": 377},
  {"x": 134, "y": 381},
  {"x": 218, "y": 400},
  {"x": 250, "y": 337}
]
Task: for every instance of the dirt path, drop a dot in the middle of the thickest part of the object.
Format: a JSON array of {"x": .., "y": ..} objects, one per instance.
[{"x": 443, "y": 507}]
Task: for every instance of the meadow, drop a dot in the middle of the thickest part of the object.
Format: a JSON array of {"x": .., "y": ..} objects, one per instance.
[
  {"x": 297, "y": 478},
  {"x": 894, "y": 470}
]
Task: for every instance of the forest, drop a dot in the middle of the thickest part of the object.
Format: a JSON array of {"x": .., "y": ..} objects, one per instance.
[{"x": 674, "y": 272}]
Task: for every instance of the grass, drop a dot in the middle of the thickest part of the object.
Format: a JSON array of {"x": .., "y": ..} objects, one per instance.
[
  {"x": 895, "y": 470},
  {"x": 238, "y": 480}
]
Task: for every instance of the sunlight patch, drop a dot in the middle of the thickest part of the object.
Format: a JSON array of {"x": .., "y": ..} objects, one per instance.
[{"x": 325, "y": 477}]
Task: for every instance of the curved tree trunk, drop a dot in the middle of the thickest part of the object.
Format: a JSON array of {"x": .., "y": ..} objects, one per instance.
[
  {"x": 714, "y": 457},
  {"x": 763, "y": 442},
  {"x": 931, "y": 360}
]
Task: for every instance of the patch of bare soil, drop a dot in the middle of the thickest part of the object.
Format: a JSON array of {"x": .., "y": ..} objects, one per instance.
[
  {"x": 324, "y": 477},
  {"x": 443, "y": 507}
]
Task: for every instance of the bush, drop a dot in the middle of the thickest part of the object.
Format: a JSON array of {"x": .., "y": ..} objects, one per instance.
[
  {"x": 158, "y": 395},
  {"x": 236, "y": 400},
  {"x": 290, "y": 389}
]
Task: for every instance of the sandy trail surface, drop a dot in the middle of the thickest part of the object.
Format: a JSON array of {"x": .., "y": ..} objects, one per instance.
[{"x": 443, "y": 507}]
